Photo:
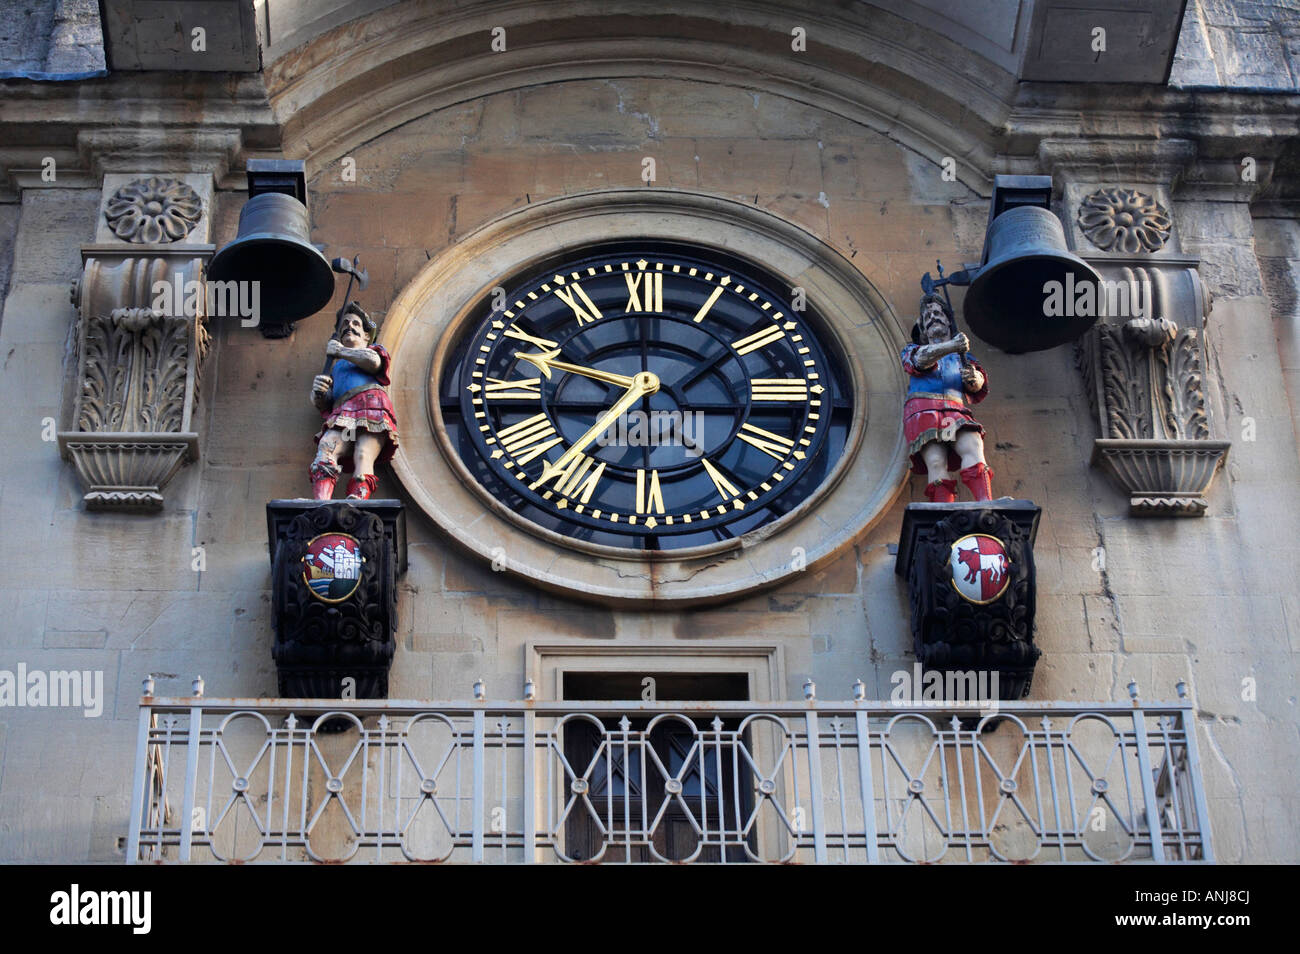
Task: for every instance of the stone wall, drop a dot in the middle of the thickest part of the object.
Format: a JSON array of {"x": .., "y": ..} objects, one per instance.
[{"x": 1239, "y": 45}]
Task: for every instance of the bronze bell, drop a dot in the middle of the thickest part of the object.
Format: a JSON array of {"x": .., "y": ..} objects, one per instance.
[
  {"x": 1010, "y": 303},
  {"x": 273, "y": 247}
]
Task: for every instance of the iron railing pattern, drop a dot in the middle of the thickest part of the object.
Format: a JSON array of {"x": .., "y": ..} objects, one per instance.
[{"x": 290, "y": 780}]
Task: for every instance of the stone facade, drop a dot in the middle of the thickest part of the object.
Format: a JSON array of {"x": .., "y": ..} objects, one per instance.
[{"x": 859, "y": 163}]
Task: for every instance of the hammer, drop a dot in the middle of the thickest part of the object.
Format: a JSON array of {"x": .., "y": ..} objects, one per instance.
[{"x": 356, "y": 273}]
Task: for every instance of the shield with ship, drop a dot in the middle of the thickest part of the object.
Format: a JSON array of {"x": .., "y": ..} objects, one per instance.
[{"x": 331, "y": 567}]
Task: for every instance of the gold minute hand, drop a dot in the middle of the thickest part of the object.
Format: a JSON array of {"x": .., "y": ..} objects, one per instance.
[
  {"x": 643, "y": 384},
  {"x": 545, "y": 361}
]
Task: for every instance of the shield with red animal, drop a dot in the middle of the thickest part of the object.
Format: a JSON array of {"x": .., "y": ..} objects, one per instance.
[{"x": 981, "y": 569}]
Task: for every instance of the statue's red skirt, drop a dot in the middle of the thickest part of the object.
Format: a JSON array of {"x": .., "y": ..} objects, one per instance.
[
  {"x": 926, "y": 420},
  {"x": 370, "y": 410}
]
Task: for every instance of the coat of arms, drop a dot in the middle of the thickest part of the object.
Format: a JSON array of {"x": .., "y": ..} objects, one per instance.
[
  {"x": 980, "y": 567},
  {"x": 331, "y": 567}
]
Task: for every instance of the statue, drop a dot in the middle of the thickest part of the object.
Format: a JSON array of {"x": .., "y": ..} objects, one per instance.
[
  {"x": 352, "y": 396},
  {"x": 942, "y": 435}
]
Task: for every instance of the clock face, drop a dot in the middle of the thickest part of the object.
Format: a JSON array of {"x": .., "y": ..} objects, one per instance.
[{"x": 647, "y": 396}]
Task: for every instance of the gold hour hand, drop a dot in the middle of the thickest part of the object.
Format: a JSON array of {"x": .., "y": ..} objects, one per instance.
[
  {"x": 545, "y": 361},
  {"x": 640, "y": 386}
]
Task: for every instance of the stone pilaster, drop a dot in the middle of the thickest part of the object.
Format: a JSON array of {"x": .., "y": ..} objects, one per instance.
[
  {"x": 1144, "y": 362},
  {"x": 141, "y": 337}
]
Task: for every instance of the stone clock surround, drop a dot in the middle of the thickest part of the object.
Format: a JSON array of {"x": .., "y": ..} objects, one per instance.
[{"x": 423, "y": 324}]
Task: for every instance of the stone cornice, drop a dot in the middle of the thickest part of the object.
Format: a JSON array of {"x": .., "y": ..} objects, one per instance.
[
  {"x": 363, "y": 78},
  {"x": 168, "y": 122}
]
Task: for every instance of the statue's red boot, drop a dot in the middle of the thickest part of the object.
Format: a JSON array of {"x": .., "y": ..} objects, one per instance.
[
  {"x": 979, "y": 478},
  {"x": 323, "y": 479},
  {"x": 360, "y": 488},
  {"x": 941, "y": 491}
]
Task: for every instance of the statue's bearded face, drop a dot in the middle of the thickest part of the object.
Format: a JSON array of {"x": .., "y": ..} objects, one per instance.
[
  {"x": 934, "y": 323},
  {"x": 354, "y": 333}
]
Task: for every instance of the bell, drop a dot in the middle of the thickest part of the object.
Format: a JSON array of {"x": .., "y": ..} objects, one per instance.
[
  {"x": 272, "y": 248},
  {"x": 1012, "y": 303}
]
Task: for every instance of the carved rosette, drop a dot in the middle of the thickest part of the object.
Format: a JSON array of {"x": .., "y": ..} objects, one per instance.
[
  {"x": 153, "y": 211},
  {"x": 1124, "y": 220},
  {"x": 137, "y": 384},
  {"x": 1144, "y": 369},
  {"x": 319, "y": 643},
  {"x": 951, "y": 633}
]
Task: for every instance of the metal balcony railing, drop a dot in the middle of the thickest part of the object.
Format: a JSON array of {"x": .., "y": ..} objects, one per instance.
[{"x": 288, "y": 780}]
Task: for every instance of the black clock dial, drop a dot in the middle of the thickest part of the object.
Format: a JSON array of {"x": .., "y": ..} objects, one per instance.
[{"x": 647, "y": 396}]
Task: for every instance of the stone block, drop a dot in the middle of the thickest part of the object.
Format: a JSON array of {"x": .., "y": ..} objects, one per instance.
[
  {"x": 1099, "y": 618},
  {"x": 1074, "y": 677},
  {"x": 42, "y": 827},
  {"x": 724, "y": 624},
  {"x": 54, "y": 224},
  {"x": 227, "y": 673},
  {"x": 23, "y": 612}
]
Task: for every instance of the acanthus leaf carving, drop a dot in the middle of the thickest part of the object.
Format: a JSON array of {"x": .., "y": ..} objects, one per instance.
[
  {"x": 137, "y": 379},
  {"x": 1146, "y": 377},
  {"x": 1183, "y": 390},
  {"x": 1122, "y": 386}
]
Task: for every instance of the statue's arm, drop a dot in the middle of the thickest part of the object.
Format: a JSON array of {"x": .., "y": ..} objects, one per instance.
[
  {"x": 919, "y": 360},
  {"x": 367, "y": 359}
]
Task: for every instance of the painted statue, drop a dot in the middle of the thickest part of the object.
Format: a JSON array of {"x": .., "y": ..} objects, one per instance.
[
  {"x": 359, "y": 429},
  {"x": 942, "y": 435}
]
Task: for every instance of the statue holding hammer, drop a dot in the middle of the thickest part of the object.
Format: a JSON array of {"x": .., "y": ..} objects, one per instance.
[
  {"x": 943, "y": 436},
  {"x": 359, "y": 428}
]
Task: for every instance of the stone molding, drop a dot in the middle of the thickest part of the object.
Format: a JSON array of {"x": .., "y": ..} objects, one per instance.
[
  {"x": 423, "y": 324},
  {"x": 138, "y": 366},
  {"x": 874, "y": 67}
]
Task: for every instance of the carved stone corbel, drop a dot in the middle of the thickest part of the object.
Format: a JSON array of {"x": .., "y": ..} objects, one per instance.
[
  {"x": 1143, "y": 364},
  {"x": 141, "y": 338}
]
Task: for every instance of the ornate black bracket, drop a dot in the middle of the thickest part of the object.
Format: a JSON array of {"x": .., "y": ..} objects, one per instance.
[
  {"x": 338, "y": 629},
  {"x": 973, "y": 609}
]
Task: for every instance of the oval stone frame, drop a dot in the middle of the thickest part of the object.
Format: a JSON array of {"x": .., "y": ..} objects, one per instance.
[{"x": 427, "y": 318}]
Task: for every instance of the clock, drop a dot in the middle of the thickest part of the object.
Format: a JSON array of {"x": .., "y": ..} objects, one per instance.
[{"x": 647, "y": 396}]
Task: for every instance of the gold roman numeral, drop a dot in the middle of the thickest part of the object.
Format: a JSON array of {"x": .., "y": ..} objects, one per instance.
[
  {"x": 571, "y": 295},
  {"x": 574, "y": 479},
  {"x": 779, "y": 389},
  {"x": 523, "y": 389},
  {"x": 651, "y": 500},
  {"x": 529, "y": 438},
  {"x": 774, "y": 445},
  {"x": 726, "y": 489},
  {"x": 758, "y": 339},
  {"x": 704, "y": 309},
  {"x": 543, "y": 343},
  {"x": 652, "y": 290}
]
